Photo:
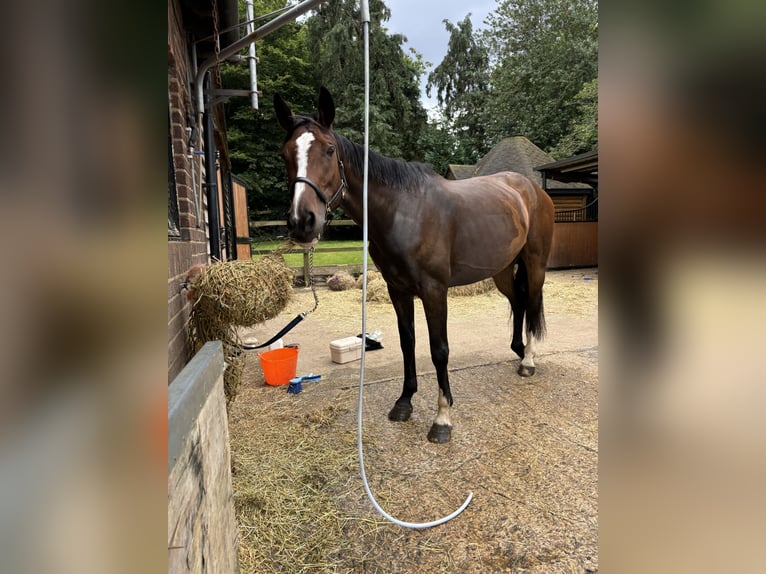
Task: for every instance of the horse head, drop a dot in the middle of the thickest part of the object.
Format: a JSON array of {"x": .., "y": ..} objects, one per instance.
[{"x": 314, "y": 171}]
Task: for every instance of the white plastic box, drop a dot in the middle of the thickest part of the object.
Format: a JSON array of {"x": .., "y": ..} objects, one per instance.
[{"x": 346, "y": 350}]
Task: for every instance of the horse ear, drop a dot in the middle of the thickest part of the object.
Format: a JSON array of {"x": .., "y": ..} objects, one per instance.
[
  {"x": 284, "y": 115},
  {"x": 325, "y": 108}
]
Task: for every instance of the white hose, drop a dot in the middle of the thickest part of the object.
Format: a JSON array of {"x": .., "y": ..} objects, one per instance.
[{"x": 416, "y": 525}]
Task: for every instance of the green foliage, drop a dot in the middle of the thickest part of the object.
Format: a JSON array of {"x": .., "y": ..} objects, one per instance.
[
  {"x": 254, "y": 136},
  {"x": 545, "y": 52},
  {"x": 462, "y": 82},
  {"x": 335, "y": 38},
  {"x": 439, "y": 144},
  {"x": 583, "y": 131},
  {"x": 325, "y": 49}
]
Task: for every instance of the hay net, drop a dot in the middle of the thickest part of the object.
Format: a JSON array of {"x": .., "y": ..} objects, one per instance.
[{"x": 230, "y": 294}]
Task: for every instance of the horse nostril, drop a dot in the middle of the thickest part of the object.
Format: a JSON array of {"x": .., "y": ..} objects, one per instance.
[
  {"x": 310, "y": 220},
  {"x": 291, "y": 221}
]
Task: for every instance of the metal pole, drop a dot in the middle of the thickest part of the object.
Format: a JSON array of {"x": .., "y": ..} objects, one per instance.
[
  {"x": 251, "y": 60},
  {"x": 211, "y": 184},
  {"x": 258, "y": 33}
]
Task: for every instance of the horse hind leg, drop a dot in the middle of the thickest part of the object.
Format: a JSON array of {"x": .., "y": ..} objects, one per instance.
[
  {"x": 535, "y": 315},
  {"x": 514, "y": 287},
  {"x": 521, "y": 293}
]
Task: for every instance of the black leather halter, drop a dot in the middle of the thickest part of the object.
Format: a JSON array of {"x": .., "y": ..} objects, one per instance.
[{"x": 341, "y": 193}]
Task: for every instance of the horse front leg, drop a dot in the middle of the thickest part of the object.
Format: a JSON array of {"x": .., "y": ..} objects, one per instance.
[
  {"x": 405, "y": 319},
  {"x": 435, "y": 307}
]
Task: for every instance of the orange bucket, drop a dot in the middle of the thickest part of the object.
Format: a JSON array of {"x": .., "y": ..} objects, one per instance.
[{"x": 279, "y": 365}]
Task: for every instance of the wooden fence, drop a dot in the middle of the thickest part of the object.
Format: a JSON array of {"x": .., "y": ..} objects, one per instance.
[
  {"x": 304, "y": 272},
  {"x": 585, "y": 213}
]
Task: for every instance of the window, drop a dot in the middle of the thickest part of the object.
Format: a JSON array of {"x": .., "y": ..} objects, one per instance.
[{"x": 173, "y": 217}]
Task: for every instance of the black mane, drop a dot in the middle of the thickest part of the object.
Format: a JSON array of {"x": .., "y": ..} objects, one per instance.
[{"x": 390, "y": 172}]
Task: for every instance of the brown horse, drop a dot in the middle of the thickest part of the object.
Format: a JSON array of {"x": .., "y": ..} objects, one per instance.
[{"x": 426, "y": 234}]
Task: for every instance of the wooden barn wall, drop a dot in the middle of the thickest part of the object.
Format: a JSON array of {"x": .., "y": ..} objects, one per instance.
[
  {"x": 241, "y": 219},
  {"x": 202, "y": 525},
  {"x": 191, "y": 247},
  {"x": 574, "y": 245},
  {"x": 567, "y": 202}
]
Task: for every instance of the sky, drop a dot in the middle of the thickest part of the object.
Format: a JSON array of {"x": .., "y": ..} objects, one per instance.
[{"x": 421, "y": 21}]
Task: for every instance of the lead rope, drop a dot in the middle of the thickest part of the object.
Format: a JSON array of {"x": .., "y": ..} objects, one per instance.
[
  {"x": 300, "y": 316},
  {"x": 312, "y": 282},
  {"x": 415, "y": 525}
]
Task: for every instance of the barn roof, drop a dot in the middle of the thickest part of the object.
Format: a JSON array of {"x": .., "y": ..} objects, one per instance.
[
  {"x": 578, "y": 168},
  {"x": 459, "y": 171},
  {"x": 520, "y": 155},
  {"x": 513, "y": 154}
]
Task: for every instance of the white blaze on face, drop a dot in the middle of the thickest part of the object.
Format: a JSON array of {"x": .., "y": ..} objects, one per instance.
[{"x": 303, "y": 143}]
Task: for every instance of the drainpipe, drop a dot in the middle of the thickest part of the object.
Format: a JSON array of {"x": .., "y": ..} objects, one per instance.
[
  {"x": 211, "y": 184},
  {"x": 257, "y": 34}
]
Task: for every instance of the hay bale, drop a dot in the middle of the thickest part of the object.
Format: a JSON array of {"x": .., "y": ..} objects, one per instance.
[
  {"x": 228, "y": 294},
  {"x": 341, "y": 281},
  {"x": 478, "y": 288},
  {"x": 370, "y": 276},
  {"x": 377, "y": 290},
  {"x": 243, "y": 293}
]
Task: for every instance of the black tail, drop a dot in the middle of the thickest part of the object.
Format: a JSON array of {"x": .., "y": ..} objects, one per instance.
[
  {"x": 521, "y": 284},
  {"x": 532, "y": 303}
]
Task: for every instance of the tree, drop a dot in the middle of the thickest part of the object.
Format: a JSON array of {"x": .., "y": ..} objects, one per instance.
[
  {"x": 461, "y": 81},
  {"x": 583, "y": 131},
  {"x": 545, "y": 51},
  {"x": 397, "y": 117},
  {"x": 254, "y": 136},
  {"x": 439, "y": 145}
]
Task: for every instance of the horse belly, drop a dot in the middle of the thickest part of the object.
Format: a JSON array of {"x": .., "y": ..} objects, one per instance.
[{"x": 485, "y": 246}]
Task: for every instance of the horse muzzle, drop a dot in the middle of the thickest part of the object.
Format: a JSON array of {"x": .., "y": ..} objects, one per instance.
[{"x": 306, "y": 229}]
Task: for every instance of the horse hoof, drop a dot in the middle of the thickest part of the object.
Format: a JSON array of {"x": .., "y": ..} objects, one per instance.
[
  {"x": 400, "y": 412},
  {"x": 525, "y": 371},
  {"x": 440, "y": 433}
]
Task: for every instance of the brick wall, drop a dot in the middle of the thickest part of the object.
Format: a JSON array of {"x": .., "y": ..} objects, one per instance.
[{"x": 191, "y": 247}]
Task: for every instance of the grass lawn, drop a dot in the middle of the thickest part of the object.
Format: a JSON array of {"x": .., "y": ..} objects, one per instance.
[{"x": 295, "y": 259}]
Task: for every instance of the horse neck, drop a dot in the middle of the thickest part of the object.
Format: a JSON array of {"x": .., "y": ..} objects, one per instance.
[{"x": 380, "y": 197}]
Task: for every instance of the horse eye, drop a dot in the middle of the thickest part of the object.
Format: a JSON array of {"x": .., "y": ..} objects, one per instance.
[{"x": 331, "y": 150}]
